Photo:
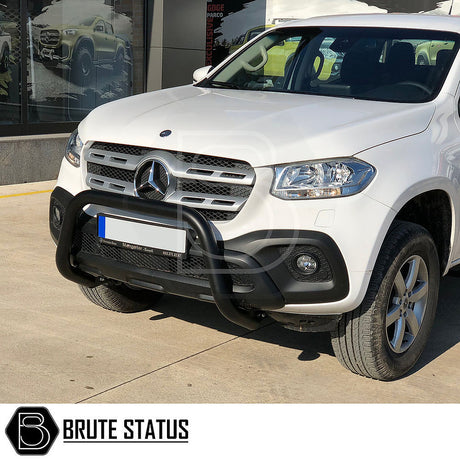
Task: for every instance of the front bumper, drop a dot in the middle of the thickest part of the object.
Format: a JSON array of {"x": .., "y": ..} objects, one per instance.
[
  {"x": 243, "y": 276},
  {"x": 57, "y": 54}
]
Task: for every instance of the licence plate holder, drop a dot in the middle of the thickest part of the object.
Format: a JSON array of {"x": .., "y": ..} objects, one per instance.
[{"x": 142, "y": 236}]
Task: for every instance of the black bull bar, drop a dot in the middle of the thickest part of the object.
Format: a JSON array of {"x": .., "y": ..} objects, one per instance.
[{"x": 219, "y": 278}]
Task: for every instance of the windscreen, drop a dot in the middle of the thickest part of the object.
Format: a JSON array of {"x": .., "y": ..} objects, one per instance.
[
  {"x": 87, "y": 22},
  {"x": 382, "y": 64}
]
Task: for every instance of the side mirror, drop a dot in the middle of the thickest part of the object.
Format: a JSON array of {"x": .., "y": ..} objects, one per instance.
[{"x": 201, "y": 73}]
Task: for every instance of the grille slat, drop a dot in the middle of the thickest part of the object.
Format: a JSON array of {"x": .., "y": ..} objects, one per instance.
[
  {"x": 212, "y": 161},
  {"x": 50, "y": 37},
  {"x": 110, "y": 172},
  {"x": 212, "y": 188},
  {"x": 190, "y": 158},
  {"x": 208, "y": 184},
  {"x": 120, "y": 148}
]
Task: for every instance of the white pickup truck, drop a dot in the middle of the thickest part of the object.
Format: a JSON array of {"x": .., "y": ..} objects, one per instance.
[
  {"x": 5, "y": 50},
  {"x": 327, "y": 204}
]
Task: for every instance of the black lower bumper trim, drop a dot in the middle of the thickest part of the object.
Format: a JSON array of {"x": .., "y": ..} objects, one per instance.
[
  {"x": 219, "y": 279},
  {"x": 277, "y": 251},
  {"x": 260, "y": 294}
]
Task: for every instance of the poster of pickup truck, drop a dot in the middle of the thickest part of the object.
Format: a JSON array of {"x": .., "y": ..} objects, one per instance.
[
  {"x": 80, "y": 57},
  {"x": 9, "y": 59},
  {"x": 82, "y": 47},
  {"x": 5, "y": 49}
]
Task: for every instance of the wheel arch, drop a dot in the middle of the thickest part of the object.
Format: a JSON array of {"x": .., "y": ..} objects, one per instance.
[
  {"x": 423, "y": 54},
  {"x": 120, "y": 47},
  {"x": 86, "y": 42},
  {"x": 431, "y": 206},
  {"x": 4, "y": 65},
  {"x": 4, "y": 47}
]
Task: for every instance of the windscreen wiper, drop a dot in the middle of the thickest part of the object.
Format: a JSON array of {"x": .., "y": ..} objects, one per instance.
[{"x": 222, "y": 84}]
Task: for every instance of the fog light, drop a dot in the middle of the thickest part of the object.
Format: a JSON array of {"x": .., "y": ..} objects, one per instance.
[{"x": 306, "y": 264}]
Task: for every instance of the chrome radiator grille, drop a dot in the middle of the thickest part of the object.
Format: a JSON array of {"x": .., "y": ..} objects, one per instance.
[
  {"x": 50, "y": 37},
  {"x": 217, "y": 187}
]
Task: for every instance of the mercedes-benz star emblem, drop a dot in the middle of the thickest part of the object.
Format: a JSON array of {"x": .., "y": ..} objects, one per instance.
[{"x": 152, "y": 180}]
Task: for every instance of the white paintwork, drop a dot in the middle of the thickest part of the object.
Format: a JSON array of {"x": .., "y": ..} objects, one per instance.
[
  {"x": 398, "y": 20},
  {"x": 254, "y": 126},
  {"x": 71, "y": 178},
  {"x": 201, "y": 73},
  {"x": 414, "y": 148}
]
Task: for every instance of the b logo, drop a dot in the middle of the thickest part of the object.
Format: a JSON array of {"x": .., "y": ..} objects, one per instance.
[{"x": 32, "y": 431}]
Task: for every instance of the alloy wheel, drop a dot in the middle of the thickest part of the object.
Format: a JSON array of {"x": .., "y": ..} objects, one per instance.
[{"x": 407, "y": 304}]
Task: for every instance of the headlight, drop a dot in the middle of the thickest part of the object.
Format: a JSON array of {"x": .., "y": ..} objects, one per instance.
[
  {"x": 322, "y": 179},
  {"x": 70, "y": 31},
  {"x": 73, "y": 149}
]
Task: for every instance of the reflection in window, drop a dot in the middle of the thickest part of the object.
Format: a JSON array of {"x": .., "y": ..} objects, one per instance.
[
  {"x": 10, "y": 63},
  {"x": 81, "y": 57}
]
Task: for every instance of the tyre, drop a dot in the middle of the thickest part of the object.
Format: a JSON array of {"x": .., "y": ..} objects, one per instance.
[
  {"x": 82, "y": 68},
  {"x": 384, "y": 337},
  {"x": 121, "y": 298},
  {"x": 5, "y": 62},
  {"x": 119, "y": 64}
]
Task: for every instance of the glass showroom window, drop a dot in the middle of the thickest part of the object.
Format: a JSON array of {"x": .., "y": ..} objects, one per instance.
[
  {"x": 80, "y": 56},
  {"x": 10, "y": 62},
  {"x": 59, "y": 59}
]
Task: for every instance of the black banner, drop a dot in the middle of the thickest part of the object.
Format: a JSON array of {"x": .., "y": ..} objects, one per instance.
[{"x": 219, "y": 40}]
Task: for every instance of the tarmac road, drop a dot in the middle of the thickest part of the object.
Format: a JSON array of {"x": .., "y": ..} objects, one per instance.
[{"x": 57, "y": 347}]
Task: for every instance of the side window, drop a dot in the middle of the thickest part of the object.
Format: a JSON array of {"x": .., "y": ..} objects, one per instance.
[
  {"x": 109, "y": 28},
  {"x": 433, "y": 52},
  {"x": 100, "y": 27}
]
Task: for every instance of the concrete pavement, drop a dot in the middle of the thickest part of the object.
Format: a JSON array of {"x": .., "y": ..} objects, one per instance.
[{"x": 57, "y": 347}]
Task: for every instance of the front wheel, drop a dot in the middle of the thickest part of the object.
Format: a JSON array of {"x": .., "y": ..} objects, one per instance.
[
  {"x": 121, "y": 298},
  {"x": 422, "y": 60},
  {"x": 385, "y": 336},
  {"x": 82, "y": 68},
  {"x": 119, "y": 64}
]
